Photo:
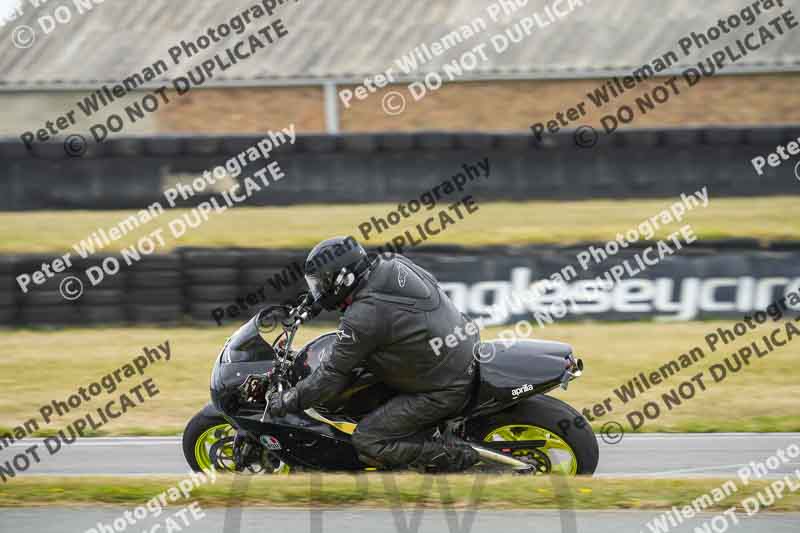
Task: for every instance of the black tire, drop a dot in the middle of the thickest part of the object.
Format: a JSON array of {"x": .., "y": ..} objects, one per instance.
[
  {"x": 155, "y": 279},
  {"x": 8, "y": 297},
  {"x": 213, "y": 293},
  {"x": 201, "y": 259},
  {"x": 165, "y": 297},
  {"x": 108, "y": 282},
  {"x": 8, "y": 282},
  {"x": 194, "y": 429},
  {"x": 255, "y": 278},
  {"x": 40, "y": 297},
  {"x": 554, "y": 415},
  {"x": 8, "y": 315},
  {"x": 99, "y": 296},
  {"x": 103, "y": 314},
  {"x": 269, "y": 279},
  {"x": 155, "y": 314},
  {"x": 201, "y": 312},
  {"x": 50, "y": 315},
  {"x": 156, "y": 262},
  {"x": 212, "y": 276},
  {"x": 266, "y": 259},
  {"x": 8, "y": 264}
]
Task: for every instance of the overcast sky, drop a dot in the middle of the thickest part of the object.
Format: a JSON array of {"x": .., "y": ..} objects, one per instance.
[{"x": 7, "y": 5}]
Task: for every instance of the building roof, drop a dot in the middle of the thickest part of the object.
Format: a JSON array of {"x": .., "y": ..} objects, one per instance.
[{"x": 348, "y": 40}]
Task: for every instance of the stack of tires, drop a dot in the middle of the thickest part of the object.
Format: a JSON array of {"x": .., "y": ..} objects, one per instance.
[
  {"x": 160, "y": 289},
  {"x": 271, "y": 277},
  {"x": 212, "y": 281},
  {"x": 8, "y": 291},
  {"x": 103, "y": 303},
  {"x": 44, "y": 304},
  {"x": 155, "y": 290}
]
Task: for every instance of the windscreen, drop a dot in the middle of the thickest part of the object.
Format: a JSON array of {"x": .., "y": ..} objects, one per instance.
[{"x": 247, "y": 345}]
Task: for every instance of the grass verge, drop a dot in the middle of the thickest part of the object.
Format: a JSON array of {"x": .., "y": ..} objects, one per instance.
[
  {"x": 495, "y": 223},
  {"x": 760, "y": 397},
  {"x": 373, "y": 490}
]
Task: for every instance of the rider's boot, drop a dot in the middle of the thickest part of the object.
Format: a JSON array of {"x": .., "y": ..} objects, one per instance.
[{"x": 443, "y": 457}]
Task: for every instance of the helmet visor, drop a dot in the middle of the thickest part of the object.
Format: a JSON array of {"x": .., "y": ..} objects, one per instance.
[{"x": 314, "y": 286}]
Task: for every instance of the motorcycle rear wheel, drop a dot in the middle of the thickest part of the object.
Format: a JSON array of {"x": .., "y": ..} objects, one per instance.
[{"x": 569, "y": 444}]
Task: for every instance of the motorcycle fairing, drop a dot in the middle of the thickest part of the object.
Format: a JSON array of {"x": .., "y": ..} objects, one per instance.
[
  {"x": 522, "y": 368},
  {"x": 304, "y": 441}
]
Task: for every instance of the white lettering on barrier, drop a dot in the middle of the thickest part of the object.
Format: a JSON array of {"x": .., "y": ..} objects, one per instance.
[{"x": 665, "y": 298}]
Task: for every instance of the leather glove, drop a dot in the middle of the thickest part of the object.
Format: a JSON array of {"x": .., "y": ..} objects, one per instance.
[{"x": 282, "y": 403}]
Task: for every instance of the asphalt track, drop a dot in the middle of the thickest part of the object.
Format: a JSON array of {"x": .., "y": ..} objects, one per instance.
[
  {"x": 639, "y": 455},
  {"x": 53, "y": 520},
  {"x": 677, "y": 455}
]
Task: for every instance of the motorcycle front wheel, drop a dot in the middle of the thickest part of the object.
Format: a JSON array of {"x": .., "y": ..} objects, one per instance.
[{"x": 208, "y": 443}]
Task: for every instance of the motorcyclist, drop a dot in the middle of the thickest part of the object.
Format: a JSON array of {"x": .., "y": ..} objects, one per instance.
[{"x": 391, "y": 308}]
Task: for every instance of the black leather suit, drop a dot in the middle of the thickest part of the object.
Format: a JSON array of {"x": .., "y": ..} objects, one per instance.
[{"x": 394, "y": 313}]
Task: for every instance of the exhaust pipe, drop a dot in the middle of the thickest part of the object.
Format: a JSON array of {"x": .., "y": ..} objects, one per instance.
[{"x": 495, "y": 457}]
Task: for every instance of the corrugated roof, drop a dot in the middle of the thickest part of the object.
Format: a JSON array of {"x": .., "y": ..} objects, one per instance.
[{"x": 347, "y": 40}]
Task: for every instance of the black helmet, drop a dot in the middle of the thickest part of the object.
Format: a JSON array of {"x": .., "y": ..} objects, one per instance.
[{"x": 332, "y": 269}]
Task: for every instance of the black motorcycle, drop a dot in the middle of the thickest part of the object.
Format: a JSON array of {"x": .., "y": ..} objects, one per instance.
[{"x": 508, "y": 420}]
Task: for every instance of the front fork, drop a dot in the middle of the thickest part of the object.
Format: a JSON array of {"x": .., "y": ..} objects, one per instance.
[{"x": 243, "y": 447}]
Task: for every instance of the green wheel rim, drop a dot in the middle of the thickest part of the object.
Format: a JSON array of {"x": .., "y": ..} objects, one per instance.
[
  {"x": 562, "y": 457},
  {"x": 209, "y": 437}
]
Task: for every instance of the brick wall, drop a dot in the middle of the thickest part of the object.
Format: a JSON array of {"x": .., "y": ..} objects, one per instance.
[
  {"x": 490, "y": 107},
  {"x": 495, "y": 106},
  {"x": 247, "y": 110}
]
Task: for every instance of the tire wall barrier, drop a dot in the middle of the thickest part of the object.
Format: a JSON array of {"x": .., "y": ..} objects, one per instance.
[
  {"x": 130, "y": 173},
  {"x": 213, "y": 287}
]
